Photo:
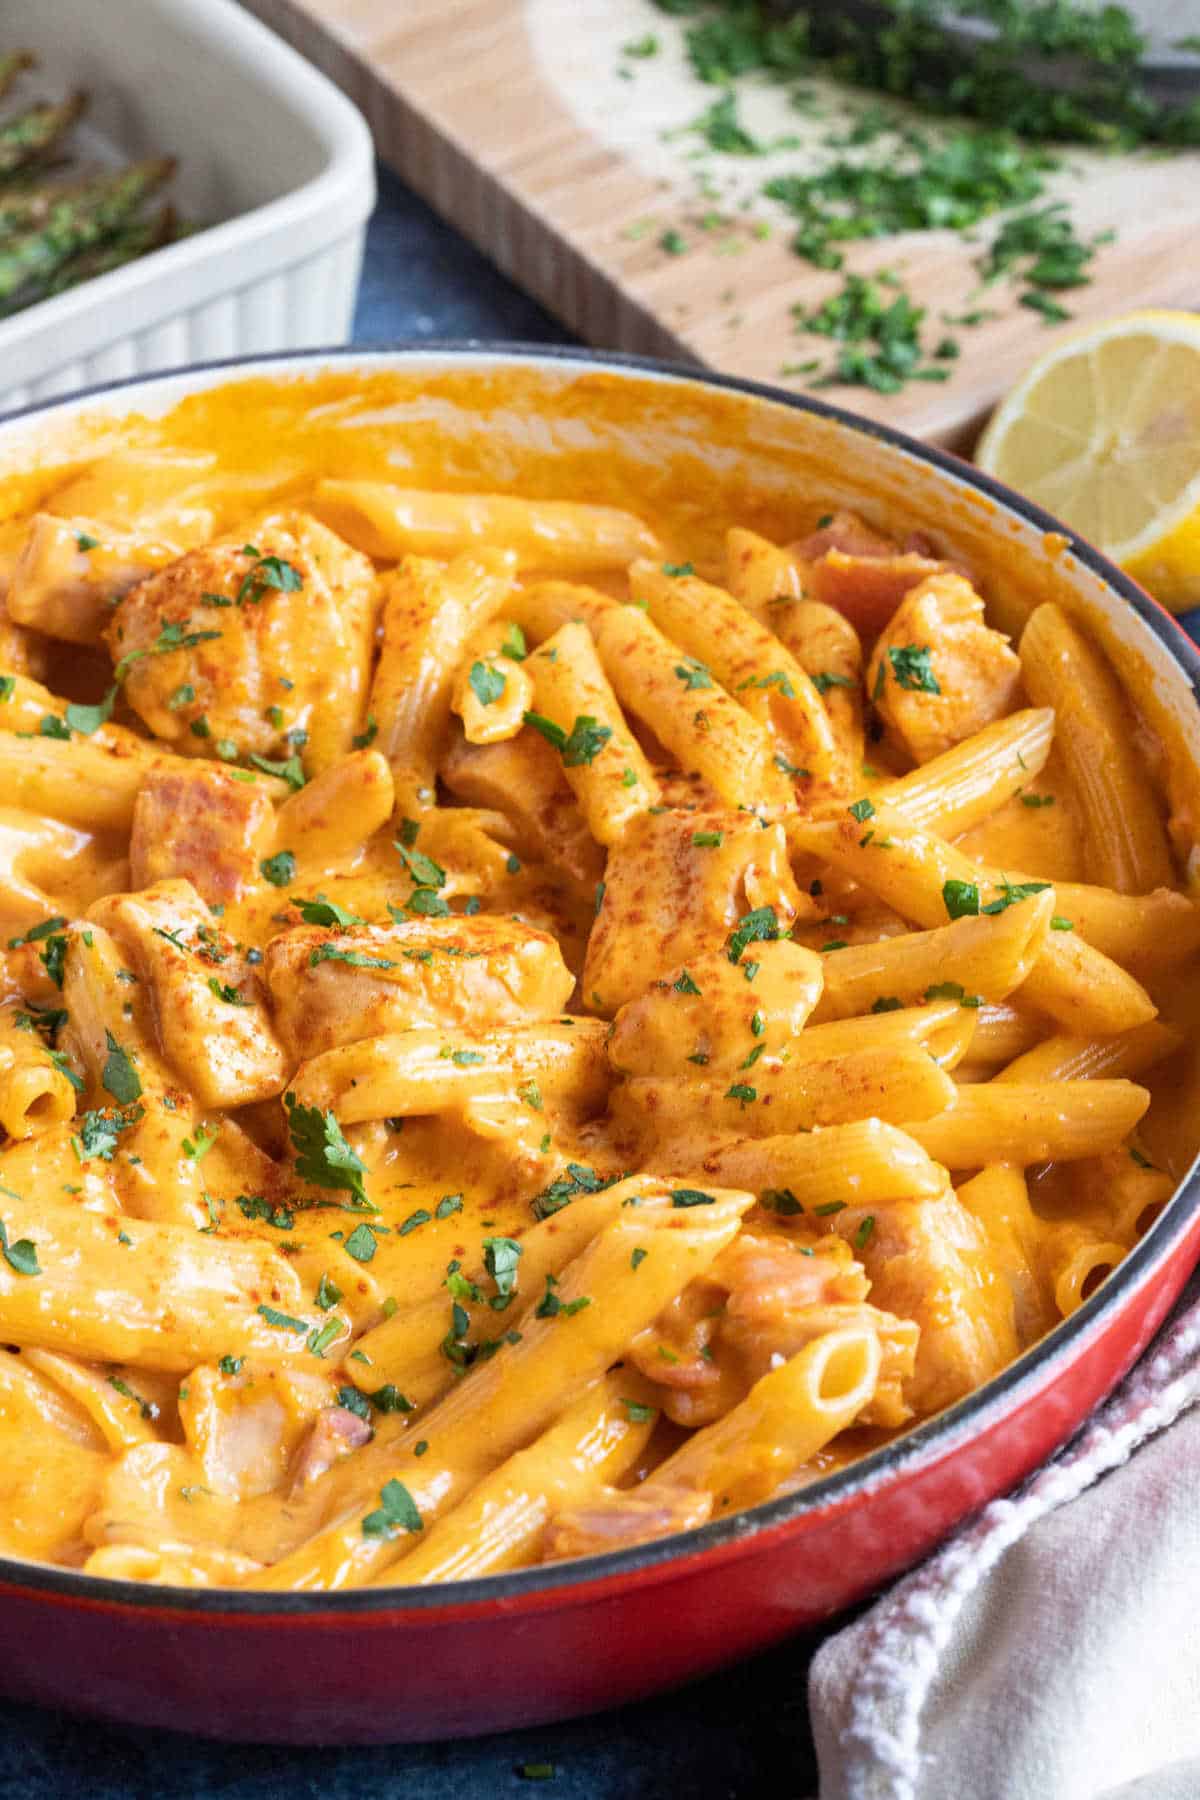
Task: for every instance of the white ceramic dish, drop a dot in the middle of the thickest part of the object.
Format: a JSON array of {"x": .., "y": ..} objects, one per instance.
[{"x": 270, "y": 154}]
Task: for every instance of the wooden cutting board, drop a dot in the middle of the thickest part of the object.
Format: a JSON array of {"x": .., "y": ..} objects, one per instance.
[{"x": 514, "y": 119}]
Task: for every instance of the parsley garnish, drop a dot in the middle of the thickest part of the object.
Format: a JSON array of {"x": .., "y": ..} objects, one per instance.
[
  {"x": 758, "y": 926},
  {"x": 911, "y": 667},
  {"x": 279, "y": 869},
  {"x": 693, "y": 674},
  {"x": 322, "y": 1154},
  {"x": 397, "y": 1511},
  {"x": 487, "y": 684},
  {"x": 21, "y": 1257},
  {"x": 119, "y": 1077},
  {"x": 280, "y": 1320}
]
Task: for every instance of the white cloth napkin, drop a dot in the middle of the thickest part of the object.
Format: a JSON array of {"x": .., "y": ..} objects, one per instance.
[{"x": 1050, "y": 1650}]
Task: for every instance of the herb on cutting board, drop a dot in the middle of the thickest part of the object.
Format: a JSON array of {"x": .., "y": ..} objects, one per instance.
[{"x": 987, "y": 154}]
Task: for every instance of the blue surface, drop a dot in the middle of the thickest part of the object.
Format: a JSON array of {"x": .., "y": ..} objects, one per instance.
[{"x": 732, "y": 1737}]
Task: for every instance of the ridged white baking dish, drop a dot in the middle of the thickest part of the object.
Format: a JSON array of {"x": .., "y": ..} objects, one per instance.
[{"x": 270, "y": 154}]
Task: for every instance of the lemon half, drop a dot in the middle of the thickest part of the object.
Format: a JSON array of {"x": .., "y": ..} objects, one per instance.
[{"x": 1104, "y": 431}]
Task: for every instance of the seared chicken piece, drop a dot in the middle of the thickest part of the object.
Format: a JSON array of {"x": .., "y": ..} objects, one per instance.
[
  {"x": 939, "y": 673},
  {"x": 202, "y": 825},
  {"x": 676, "y": 886},
  {"x": 340, "y": 986},
  {"x": 71, "y": 571},
  {"x": 206, "y": 1002},
  {"x": 255, "y": 650}
]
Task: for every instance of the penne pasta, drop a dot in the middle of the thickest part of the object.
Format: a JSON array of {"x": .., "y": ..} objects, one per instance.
[
  {"x": 1063, "y": 1058},
  {"x": 1095, "y": 735},
  {"x": 697, "y": 721},
  {"x": 425, "y": 1070},
  {"x": 1024, "y": 1123},
  {"x": 485, "y": 1047},
  {"x": 430, "y": 612},
  {"x": 960, "y": 788},
  {"x": 607, "y": 769},
  {"x": 983, "y": 958},
  {"x": 998, "y": 1198},
  {"x": 566, "y": 537},
  {"x": 856, "y": 1165},
  {"x": 37, "y": 1086},
  {"x": 502, "y": 1522},
  {"x": 788, "y": 1416},
  {"x": 745, "y": 658}
]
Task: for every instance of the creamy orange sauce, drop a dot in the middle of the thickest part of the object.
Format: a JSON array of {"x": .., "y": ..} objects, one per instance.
[{"x": 183, "y": 1455}]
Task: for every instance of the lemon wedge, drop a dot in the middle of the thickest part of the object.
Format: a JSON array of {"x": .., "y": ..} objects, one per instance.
[{"x": 1104, "y": 431}]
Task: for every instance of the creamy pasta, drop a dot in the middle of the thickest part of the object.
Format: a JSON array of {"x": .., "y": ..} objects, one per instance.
[{"x": 519, "y": 1037}]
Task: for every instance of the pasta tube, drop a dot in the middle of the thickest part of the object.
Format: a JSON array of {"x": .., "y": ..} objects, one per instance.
[
  {"x": 855, "y": 1164},
  {"x": 1064, "y": 1058},
  {"x": 563, "y": 536},
  {"x": 985, "y": 957},
  {"x": 508, "y": 1400},
  {"x": 330, "y": 819},
  {"x": 1078, "y": 1258},
  {"x": 741, "y": 1459},
  {"x": 608, "y": 771},
  {"x": 675, "y": 1119},
  {"x": 1095, "y": 735},
  {"x": 427, "y": 1070},
  {"x": 501, "y": 1523},
  {"x": 747, "y": 660},
  {"x": 998, "y": 1198},
  {"x": 36, "y": 1092},
  {"x": 704, "y": 729},
  {"x": 960, "y": 788},
  {"x": 118, "y": 1289},
  {"x": 429, "y": 613},
  {"x": 1017, "y": 1122}
]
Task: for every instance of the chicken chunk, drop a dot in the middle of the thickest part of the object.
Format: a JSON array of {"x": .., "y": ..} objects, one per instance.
[
  {"x": 709, "y": 1009},
  {"x": 619, "y": 1517},
  {"x": 252, "y": 650},
  {"x": 678, "y": 884},
  {"x": 332, "y": 987},
  {"x": 207, "y": 1007},
  {"x": 70, "y": 571},
  {"x": 939, "y": 673},
  {"x": 927, "y": 1262},
  {"x": 782, "y": 1295},
  {"x": 201, "y": 825},
  {"x": 859, "y": 572},
  {"x": 522, "y": 778}
]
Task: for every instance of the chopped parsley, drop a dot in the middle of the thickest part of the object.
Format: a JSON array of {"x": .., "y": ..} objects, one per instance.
[
  {"x": 119, "y": 1077},
  {"x": 280, "y": 1320},
  {"x": 322, "y": 1154},
  {"x": 693, "y": 674},
  {"x": 487, "y": 683},
  {"x": 397, "y": 1511},
  {"x": 911, "y": 668},
  {"x": 279, "y": 869},
  {"x": 361, "y": 1244},
  {"x": 757, "y": 926},
  {"x": 20, "y": 1256}
]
